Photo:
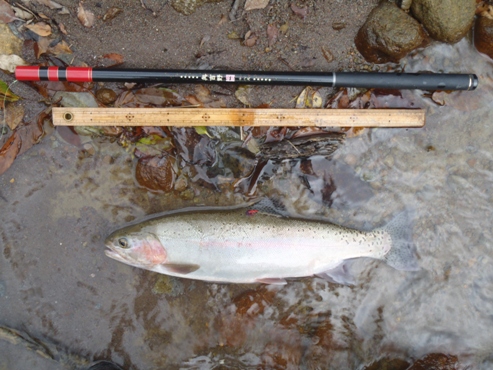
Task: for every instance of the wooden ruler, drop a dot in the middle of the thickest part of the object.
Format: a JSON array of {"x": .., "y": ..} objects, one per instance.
[{"x": 238, "y": 117}]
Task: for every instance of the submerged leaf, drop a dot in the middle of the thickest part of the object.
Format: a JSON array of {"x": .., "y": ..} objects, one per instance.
[
  {"x": 309, "y": 98},
  {"x": 202, "y": 130},
  {"x": 243, "y": 93}
]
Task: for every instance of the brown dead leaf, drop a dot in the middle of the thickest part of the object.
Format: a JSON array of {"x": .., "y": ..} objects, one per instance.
[
  {"x": 327, "y": 54},
  {"x": 193, "y": 100},
  {"x": 438, "y": 97},
  {"x": 61, "y": 48},
  {"x": 86, "y": 17},
  {"x": 62, "y": 28},
  {"x": 22, "y": 14},
  {"x": 6, "y": 12},
  {"x": 40, "y": 28},
  {"x": 112, "y": 13},
  {"x": 114, "y": 58},
  {"x": 272, "y": 34},
  {"x": 309, "y": 98},
  {"x": 204, "y": 98},
  {"x": 223, "y": 20},
  {"x": 9, "y": 152},
  {"x": 50, "y": 4},
  {"x": 488, "y": 12},
  {"x": 14, "y": 115},
  {"x": 243, "y": 94},
  {"x": 251, "y": 40},
  {"x": 205, "y": 39},
  {"x": 300, "y": 12},
  {"x": 23, "y": 138},
  {"x": 255, "y": 4},
  {"x": 41, "y": 47}
]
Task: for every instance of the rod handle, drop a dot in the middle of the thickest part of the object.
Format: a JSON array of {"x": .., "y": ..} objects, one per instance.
[
  {"x": 33, "y": 73},
  {"x": 403, "y": 81}
]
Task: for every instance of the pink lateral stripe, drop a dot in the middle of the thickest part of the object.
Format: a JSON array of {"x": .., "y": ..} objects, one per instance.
[{"x": 79, "y": 74}]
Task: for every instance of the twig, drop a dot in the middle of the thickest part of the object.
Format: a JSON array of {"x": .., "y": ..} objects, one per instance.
[{"x": 234, "y": 10}]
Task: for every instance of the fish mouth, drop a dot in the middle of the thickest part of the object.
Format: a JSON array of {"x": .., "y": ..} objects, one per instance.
[{"x": 113, "y": 253}]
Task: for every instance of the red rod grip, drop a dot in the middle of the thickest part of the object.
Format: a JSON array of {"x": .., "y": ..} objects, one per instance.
[
  {"x": 23, "y": 73},
  {"x": 75, "y": 74}
]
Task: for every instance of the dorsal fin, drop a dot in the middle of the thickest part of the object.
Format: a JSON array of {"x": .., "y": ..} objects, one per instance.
[{"x": 271, "y": 206}]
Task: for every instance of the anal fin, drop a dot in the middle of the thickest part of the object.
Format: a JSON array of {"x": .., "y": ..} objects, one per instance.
[
  {"x": 339, "y": 274},
  {"x": 272, "y": 281}
]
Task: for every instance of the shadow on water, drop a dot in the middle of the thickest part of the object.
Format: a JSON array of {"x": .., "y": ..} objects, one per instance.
[{"x": 58, "y": 203}]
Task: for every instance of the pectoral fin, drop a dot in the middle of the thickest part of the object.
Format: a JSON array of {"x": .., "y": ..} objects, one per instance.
[
  {"x": 273, "y": 281},
  {"x": 180, "y": 268}
]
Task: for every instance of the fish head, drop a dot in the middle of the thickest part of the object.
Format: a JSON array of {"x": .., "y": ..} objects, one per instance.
[{"x": 137, "y": 247}]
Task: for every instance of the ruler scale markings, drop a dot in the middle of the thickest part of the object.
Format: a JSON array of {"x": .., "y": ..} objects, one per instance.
[{"x": 238, "y": 117}]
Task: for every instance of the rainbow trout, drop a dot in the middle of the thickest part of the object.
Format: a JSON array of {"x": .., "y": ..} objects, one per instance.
[{"x": 234, "y": 246}]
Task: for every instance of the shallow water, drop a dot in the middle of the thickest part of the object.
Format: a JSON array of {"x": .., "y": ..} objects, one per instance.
[{"x": 57, "y": 285}]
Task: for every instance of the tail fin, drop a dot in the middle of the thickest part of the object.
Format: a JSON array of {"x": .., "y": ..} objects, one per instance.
[{"x": 402, "y": 255}]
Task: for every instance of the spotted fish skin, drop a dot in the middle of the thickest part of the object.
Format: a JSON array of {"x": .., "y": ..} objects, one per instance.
[{"x": 235, "y": 246}]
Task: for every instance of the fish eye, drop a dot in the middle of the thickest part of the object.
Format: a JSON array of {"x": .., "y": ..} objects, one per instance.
[{"x": 123, "y": 243}]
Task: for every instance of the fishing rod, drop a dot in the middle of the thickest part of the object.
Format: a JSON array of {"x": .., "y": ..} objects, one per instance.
[{"x": 423, "y": 81}]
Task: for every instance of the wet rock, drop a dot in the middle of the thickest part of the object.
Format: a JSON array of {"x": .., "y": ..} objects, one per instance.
[
  {"x": 404, "y": 4},
  {"x": 106, "y": 96},
  {"x": 436, "y": 361},
  {"x": 445, "y": 20},
  {"x": 187, "y": 7},
  {"x": 156, "y": 173},
  {"x": 483, "y": 35},
  {"x": 388, "y": 364},
  {"x": 389, "y": 34}
]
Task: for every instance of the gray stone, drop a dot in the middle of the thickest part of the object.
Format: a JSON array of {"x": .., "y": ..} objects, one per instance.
[
  {"x": 445, "y": 20},
  {"x": 389, "y": 34}
]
